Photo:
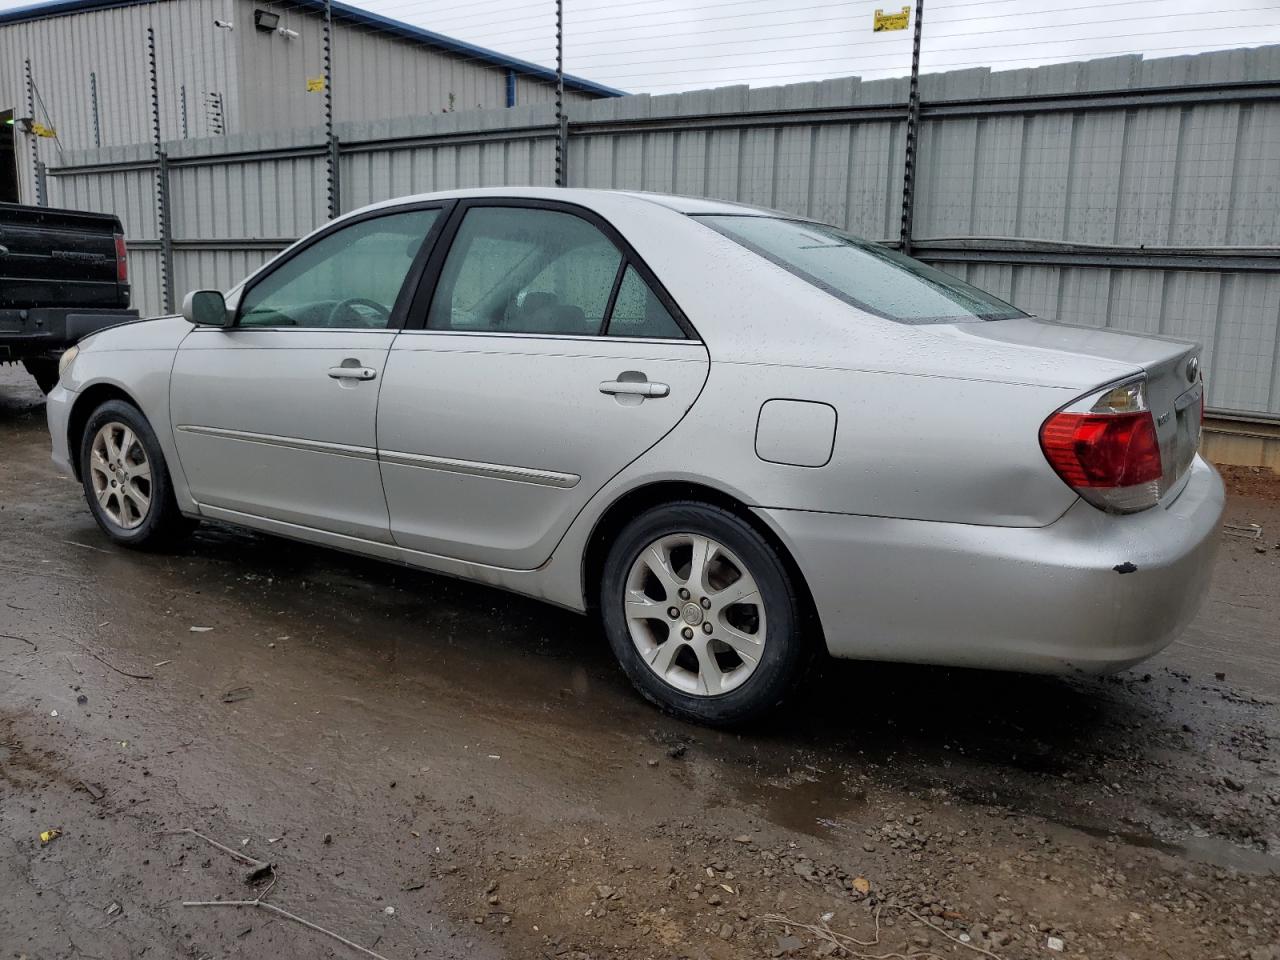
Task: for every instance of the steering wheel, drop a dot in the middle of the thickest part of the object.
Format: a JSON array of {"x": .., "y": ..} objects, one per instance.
[{"x": 345, "y": 305}]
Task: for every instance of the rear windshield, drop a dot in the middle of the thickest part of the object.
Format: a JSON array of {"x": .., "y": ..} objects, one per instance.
[{"x": 865, "y": 274}]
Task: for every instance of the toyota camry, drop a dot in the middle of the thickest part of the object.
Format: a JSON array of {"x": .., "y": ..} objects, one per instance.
[{"x": 738, "y": 437}]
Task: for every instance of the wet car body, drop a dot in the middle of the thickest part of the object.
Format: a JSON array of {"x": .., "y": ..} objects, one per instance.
[{"x": 899, "y": 472}]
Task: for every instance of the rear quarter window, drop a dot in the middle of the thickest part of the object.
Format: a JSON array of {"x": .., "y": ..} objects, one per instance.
[{"x": 864, "y": 274}]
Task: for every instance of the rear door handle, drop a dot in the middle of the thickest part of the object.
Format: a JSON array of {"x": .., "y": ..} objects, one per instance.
[
  {"x": 352, "y": 373},
  {"x": 635, "y": 388}
]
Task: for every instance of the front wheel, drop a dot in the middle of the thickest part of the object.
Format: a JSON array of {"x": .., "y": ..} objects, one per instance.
[
  {"x": 126, "y": 480},
  {"x": 701, "y": 613}
]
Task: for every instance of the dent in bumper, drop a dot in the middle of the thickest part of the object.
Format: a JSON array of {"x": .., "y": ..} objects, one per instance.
[
  {"x": 58, "y": 411},
  {"x": 1090, "y": 591}
]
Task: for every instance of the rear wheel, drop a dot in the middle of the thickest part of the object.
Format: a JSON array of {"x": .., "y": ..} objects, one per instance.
[
  {"x": 701, "y": 613},
  {"x": 126, "y": 481}
]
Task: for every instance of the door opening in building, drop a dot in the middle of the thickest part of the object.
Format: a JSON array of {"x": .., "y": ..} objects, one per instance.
[{"x": 8, "y": 158}]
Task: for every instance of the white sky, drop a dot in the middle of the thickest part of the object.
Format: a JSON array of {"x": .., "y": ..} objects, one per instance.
[{"x": 662, "y": 46}]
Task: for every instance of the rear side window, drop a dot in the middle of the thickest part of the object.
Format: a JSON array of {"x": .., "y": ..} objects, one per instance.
[
  {"x": 523, "y": 270},
  {"x": 639, "y": 313},
  {"x": 864, "y": 274}
]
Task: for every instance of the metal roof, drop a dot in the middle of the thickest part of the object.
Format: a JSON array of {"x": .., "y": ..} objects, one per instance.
[{"x": 344, "y": 13}]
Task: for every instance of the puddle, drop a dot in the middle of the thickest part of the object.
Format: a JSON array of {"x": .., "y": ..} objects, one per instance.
[
  {"x": 807, "y": 800},
  {"x": 827, "y": 804},
  {"x": 1214, "y": 851}
]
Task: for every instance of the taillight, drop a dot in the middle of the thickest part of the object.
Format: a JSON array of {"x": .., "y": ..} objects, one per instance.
[
  {"x": 122, "y": 261},
  {"x": 1104, "y": 446}
]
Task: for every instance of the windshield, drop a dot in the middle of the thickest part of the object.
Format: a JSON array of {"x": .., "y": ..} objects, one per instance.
[{"x": 865, "y": 274}]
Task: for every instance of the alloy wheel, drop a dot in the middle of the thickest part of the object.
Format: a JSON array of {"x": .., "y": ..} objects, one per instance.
[
  {"x": 695, "y": 614},
  {"x": 121, "y": 475}
]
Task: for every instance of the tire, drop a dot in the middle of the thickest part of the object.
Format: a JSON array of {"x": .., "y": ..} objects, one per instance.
[
  {"x": 115, "y": 494},
  {"x": 44, "y": 370},
  {"x": 711, "y": 634}
]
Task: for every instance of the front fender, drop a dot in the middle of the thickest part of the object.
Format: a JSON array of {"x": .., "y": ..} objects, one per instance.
[{"x": 137, "y": 371}]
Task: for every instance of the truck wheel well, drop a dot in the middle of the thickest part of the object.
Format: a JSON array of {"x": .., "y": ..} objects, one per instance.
[
  {"x": 634, "y": 502},
  {"x": 89, "y": 401}
]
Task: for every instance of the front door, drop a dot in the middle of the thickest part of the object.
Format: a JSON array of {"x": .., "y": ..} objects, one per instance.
[
  {"x": 548, "y": 360},
  {"x": 275, "y": 416}
]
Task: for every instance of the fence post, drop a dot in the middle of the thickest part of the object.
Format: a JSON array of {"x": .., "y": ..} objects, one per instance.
[
  {"x": 909, "y": 156},
  {"x": 42, "y": 185},
  {"x": 562, "y": 123},
  {"x": 166, "y": 234},
  {"x": 335, "y": 176},
  {"x": 331, "y": 142},
  {"x": 162, "y": 181},
  {"x": 93, "y": 102},
  {"x": 37, "y": 168}
]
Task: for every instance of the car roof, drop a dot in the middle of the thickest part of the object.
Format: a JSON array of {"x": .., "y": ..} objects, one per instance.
[
  {"x": 694, "y": 205},
  {"x": 589, "y": 198}
]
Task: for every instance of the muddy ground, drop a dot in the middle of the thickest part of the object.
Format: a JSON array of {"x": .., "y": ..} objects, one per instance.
[{"x": 439, "y": 770}]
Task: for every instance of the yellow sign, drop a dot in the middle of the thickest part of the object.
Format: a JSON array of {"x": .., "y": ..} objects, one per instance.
[
  {"x": 315, "y": 84},
  {"x": 891, "y": 21},
  {"x": 40, "y": 130}
]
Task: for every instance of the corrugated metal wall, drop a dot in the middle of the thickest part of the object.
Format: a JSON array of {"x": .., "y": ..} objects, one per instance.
[
  {"x": 112, "y": 45},
  {"x": 375, "y": 76},
  {"x": 1142, "y": 195},
  {"x": 260, "y": 77}
]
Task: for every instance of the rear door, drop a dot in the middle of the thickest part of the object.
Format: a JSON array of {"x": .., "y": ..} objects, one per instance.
[
  {"x": 274, "y": 417},
  {"x": 542, "y": 358}
]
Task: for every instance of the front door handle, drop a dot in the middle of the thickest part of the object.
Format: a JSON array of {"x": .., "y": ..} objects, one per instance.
[
  {"x": 352, "y": 373},
  {"x": 635, "y": 388}
]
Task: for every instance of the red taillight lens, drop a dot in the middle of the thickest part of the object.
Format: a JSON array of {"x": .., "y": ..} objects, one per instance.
[
  {"x": 1102, "y": 449},
  {"x": 122, "y": 261},
  {"x": 1105, "y": 448}
]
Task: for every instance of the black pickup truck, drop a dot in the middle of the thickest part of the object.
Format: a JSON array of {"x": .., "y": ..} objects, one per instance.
[{"x": 63, "y": 274}]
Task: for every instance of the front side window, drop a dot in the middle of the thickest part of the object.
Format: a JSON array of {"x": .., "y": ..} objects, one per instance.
[
  {"x": 348, "y": 279},
  {"x": 864, "y": 274},
  {"x": 525, "y": 270}
]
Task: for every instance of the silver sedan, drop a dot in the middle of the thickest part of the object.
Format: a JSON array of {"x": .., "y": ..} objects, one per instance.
[{"x": 740, "y": 437}]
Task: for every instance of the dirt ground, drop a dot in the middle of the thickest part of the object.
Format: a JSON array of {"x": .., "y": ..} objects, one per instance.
[{"x": 439, "y": 770}]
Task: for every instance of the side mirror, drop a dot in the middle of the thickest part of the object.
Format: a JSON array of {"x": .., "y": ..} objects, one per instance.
[{"x": 207, "y": 308}]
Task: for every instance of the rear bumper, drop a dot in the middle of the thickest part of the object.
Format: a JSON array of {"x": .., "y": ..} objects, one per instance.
[
  {"x": 1044, "y": 599},
  {"x": 50, "y": 330}
]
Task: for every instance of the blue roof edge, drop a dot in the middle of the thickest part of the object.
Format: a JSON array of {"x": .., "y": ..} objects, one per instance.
[{"x": 350, "y": 14}]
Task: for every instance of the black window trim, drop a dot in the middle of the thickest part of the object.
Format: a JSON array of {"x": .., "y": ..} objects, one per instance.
[
  {"x": 400, "y": 309},
  {"x": 416, "y": 317},
  {"x": 613, "y": 296}
]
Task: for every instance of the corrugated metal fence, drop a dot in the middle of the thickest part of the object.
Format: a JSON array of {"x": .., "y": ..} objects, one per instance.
[{"x": 1142, "y": 195}]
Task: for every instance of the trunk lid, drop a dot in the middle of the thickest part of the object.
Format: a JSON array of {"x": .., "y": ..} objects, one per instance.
[
  {"x": 1175, "y": 387},
  {"x": 55, "y": 258}
]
